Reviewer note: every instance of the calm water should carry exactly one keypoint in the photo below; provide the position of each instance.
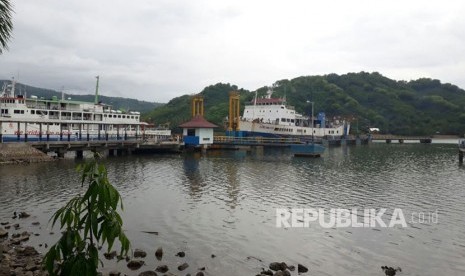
(225, 204)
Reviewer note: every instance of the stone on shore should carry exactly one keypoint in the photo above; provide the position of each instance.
(180, 254)
(138, 253)
(162, 268)
(148, 273)
(110, 256)
(135, 264)
(275, 266)
(3, 233)
(159, 253)
(20, 153)
(183, 266)
(301, 268)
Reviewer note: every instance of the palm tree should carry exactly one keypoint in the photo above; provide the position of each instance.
(6, 25)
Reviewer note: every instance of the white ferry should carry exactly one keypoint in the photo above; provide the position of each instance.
(33, 119)
(272, 117)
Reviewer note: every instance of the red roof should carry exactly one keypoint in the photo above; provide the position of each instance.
(198, 122)
(269, 101)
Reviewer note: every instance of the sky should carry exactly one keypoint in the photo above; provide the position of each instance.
(155, 50)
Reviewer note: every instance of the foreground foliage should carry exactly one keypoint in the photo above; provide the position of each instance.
(87, 222)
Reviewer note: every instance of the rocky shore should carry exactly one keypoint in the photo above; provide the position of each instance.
(15, 258)
(19, 259)
(21, 153)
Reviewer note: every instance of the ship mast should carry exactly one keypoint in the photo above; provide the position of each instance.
(96, 90)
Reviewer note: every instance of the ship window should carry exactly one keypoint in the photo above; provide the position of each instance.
(105, 115)
(119, 116)
(292, 120)
(283, 120)
(33, 112)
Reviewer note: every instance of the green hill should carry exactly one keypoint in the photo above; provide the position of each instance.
(420, 107)
(116, 102)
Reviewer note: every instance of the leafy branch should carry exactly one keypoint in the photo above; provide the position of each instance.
(87, 221)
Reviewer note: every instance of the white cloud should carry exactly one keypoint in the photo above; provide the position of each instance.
(156, 50)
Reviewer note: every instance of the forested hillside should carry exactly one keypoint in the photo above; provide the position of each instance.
(420, 107)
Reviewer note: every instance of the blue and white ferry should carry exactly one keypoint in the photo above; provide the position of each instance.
(33, 118)
(273, 117)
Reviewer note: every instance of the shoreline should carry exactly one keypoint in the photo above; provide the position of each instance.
(20, 259)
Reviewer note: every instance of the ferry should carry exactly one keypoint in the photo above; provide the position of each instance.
(273, 117)
(33, 119)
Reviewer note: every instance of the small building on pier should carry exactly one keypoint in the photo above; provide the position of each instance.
(198, 131)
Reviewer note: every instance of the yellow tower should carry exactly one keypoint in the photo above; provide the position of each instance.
(234, 110)
(197, 105)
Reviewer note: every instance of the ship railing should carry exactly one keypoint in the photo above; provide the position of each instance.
(255, 140)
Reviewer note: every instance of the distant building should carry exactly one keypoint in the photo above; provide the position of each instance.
(197, 132)
(373, 130)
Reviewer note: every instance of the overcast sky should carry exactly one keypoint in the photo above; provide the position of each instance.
(157, 49)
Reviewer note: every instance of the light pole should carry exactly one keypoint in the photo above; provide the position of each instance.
(312, 120)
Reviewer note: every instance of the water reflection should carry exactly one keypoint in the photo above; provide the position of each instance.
(224, 203)
(191, 163)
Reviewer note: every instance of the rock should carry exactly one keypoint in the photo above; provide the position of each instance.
(139, 253)
(213, 256)
(291, 267)
(3, 233)
(200, 274)
(31, 267)
(275, 266)
(135, 264)
(162, 268)
(7, 226)
(148, 273)
(36, 223)
(267, 272)
(30, 251)
(110, 255)
(180, 254)
(202, 268)
(279, 273)
(16, 235)
(15, 241)
(4, 223)
(390, 271)
(159, 253)
(23, 215)
(183, 266)
(24, 236)
(301, 268)
(114, 273)
(16, 226)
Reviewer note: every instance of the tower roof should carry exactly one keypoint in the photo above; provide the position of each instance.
(198, 122)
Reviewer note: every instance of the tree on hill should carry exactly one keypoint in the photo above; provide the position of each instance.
(420, 107)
